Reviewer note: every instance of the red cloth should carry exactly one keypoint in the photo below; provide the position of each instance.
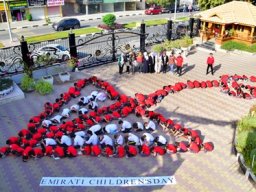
(41, 130)
(190, 84)
(194, 147)
(38, 152)
(108, 118)
(209, 83)
(210, 60)
(16, 148)
(59, 151)
(27, 150)
(116, 115)
(215, 83)
(132, 150)
(49, 135)
(48, 150)
(23, 132)
(71, 150)
(183, 146)
(13, 140)
(253, 79)
(87, 150)
(32, 142)
(120, 151)
(159, 150)
(145, 150)
(37, 136)
(208, 146)
(203, 84)
(197, 84)
(109, 151)
(4, 149)
(172, 148)
(96, 150)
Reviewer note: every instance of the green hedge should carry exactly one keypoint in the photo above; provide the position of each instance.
(247, 123)
(232, 45)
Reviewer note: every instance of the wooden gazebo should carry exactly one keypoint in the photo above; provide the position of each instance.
(235, 20)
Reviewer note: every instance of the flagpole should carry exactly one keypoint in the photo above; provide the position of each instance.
(8, 23)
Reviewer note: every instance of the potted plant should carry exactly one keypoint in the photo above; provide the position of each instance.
(27, 83)
(43, 87)
(64, 76)
(48, 78)
(6, 87)
(72, 63)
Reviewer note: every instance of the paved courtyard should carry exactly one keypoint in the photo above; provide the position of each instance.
(207, 110)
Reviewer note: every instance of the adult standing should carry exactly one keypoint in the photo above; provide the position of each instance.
(131, 60)
(210, 62)
(179, 63)
(164, 61)
(139, 60)
(121, 63)
(145, 63)
(153, 56)
(171, 62)
(159, 63)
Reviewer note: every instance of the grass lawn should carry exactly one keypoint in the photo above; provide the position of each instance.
(182, 18)
(232, 45)
(148, 23)
(61, 34)
(1, 45)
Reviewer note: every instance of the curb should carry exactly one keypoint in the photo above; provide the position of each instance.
(89, 19)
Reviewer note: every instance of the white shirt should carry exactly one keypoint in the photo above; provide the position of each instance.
(120, 140)
(94, 104)
(149, 138)
(85, 100)
(46, 123)
(162, 139)
(151, 125)
(101, 96)
(93, 140)
(65, 112)
(80, 133)
(95, 128)
(50, 141)
(78, 140)
(94, 94)
(126, 125)
(140, 126)
(66, 140)
(111, 128)
(83, 110)
(74, 107)
(107, 140)
(134, 138)
(57, 118)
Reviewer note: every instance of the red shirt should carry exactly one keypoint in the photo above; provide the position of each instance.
(203, 84)
(145, 150)
(179, 61)
(17, 148)
(120, 151)
(194, 147)
(41, 130)
(183, 146)
(208, 146)
(132, 150)
(108, 118)
(210, 60)
(72, 151)
(48, 150)
(87, 150)
(38, 152)
(59, 151)
(27, 151)
(116, 115)
(37, 136)
(108, 151)
(23, 132)
(159, 150)
(172, 148)
(96, 150)
(32, 142)
(4, 149)
(13, 140)
(49, 135)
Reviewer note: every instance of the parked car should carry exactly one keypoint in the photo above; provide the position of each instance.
(66, 24)
(195, 8)
(55, 51)
(153, 10)
(165, 10)
(182, 8)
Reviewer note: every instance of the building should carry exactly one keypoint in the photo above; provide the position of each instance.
(235, 20)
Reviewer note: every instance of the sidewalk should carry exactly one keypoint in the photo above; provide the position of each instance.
(98, 16)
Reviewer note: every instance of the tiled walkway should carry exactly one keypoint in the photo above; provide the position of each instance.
(207, 110)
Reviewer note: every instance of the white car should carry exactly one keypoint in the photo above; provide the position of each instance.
(55, 51)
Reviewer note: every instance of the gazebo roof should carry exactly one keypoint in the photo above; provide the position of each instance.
(240, 12)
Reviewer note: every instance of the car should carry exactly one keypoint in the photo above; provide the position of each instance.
(54, 51)
(153, 10)
(182, 8)
(195, 8)
(165, 10)
(66, 24)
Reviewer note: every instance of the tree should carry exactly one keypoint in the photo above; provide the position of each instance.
(109, 19)
(208, 4)
(162, 3)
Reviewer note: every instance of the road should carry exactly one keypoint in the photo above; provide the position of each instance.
(48, 29)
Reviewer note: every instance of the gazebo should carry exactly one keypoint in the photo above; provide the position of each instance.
(235, 20)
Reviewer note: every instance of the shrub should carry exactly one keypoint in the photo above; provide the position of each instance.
(158, 48)
(29, 16)
(115, 26)
(48, 20)
(232, 45)
(27, 83)
(43, 87)
(247, 123)
(246, 142)
(109, 19)
(5, 84)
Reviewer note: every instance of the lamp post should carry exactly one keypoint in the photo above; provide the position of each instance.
(7, 18)
(175, 10)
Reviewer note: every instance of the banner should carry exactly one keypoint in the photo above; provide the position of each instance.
(55, 2)
(107, 181)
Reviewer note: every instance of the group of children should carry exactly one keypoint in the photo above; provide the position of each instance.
(57, 136)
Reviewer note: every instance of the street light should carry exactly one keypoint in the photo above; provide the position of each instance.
(175, 10)
(9, 28)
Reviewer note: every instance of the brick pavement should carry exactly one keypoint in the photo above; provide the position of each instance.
(207, 110)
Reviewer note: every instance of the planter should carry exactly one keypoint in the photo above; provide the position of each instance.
(65, 76)
(6, 91)
(48, 78)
